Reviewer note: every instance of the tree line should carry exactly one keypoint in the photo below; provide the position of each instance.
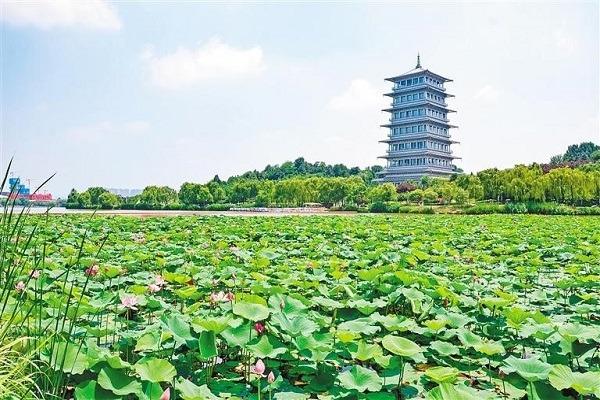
(298, 183)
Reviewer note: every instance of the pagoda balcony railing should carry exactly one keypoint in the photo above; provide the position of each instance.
(418, 86)
(422, 152)
(415, 135)
(416, 168)
(412, 119)
(417, 103)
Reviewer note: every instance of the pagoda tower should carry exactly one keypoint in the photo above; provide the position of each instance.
(419, 130)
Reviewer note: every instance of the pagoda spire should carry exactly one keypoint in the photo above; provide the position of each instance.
(418, 61)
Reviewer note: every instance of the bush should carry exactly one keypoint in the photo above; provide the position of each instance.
(384, 207)
(485, 208)
(515, 208)
(219, 207)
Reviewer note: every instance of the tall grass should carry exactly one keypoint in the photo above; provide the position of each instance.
(36, 347)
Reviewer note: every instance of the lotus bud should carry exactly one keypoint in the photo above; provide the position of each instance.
(166, 395)
(259, 367)
(259, 328)
(271, 377)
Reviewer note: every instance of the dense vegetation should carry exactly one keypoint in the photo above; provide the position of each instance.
(354, 307)
(571, 179)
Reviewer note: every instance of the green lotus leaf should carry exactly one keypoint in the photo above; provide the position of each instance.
(91, 390)
(267, 347)
(118, 382)
(363, 351)
(574, 331)
(207, 345)
(178, 327)
(295, 325)
(444, 348)
(447, 391)
(515, 316)
(148, 341)
(251, 311)
(401, 346)
(561, 377)
(530, 369)
(291, 304)
(238, 335)
(360, 379)
(215, 324)
(69, 357)
(490, 348)
(442, 374)
(327, 302)
(155, 370)
(189, 391)
(150, 391)
(468, 338)
(436, 324)
(494, 303)
(362, 325)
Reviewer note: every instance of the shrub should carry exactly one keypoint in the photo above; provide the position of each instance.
(219, 207)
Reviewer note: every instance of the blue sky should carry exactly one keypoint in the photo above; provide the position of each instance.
(125, 95)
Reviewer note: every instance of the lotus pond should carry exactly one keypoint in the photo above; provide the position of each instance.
(328, 307)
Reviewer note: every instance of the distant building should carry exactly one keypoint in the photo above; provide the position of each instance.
(419, 130)
(125, 192)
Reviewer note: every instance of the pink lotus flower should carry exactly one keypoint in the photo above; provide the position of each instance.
(166, 395)
(152, 288)
(234, 249)
(34, 274)
(259, 328)
(221, 296)
(129, 302)
(259, 367)
(271, 377)
(282, 304)
(309, 265)
(92, 271)
(215, 282)
(20, 286)
(159, 280)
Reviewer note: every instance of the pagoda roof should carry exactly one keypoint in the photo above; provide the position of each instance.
(417, 70)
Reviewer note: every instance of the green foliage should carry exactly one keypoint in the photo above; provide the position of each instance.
(361, 306)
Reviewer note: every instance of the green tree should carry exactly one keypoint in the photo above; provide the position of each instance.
(108, 201)
(582, 151)
(158, 195)
(72, 197)
(84, 200)
(385, 192)
(95, 193)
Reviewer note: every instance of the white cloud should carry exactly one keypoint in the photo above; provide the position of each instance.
(488, 94)
(213, 60)
(360, 95)
(105, 130)
(91, 14)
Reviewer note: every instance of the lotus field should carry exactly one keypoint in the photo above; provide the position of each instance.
(295, 307)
